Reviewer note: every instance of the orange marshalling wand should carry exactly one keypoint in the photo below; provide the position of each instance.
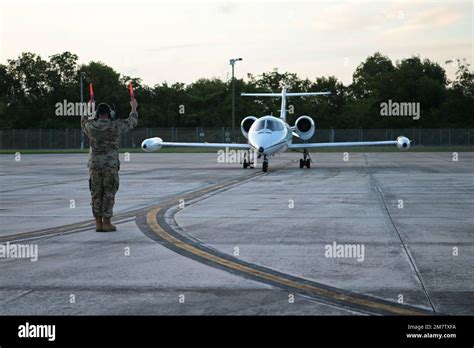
(132, 95)
(91, 91)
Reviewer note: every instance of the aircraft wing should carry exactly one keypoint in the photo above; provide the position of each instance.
(402, 143)
(153, 144)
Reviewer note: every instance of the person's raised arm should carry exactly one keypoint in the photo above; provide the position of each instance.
(134, 105)
(84, 122)
(132, 120)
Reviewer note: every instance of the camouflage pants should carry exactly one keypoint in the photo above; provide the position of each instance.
(103, 184)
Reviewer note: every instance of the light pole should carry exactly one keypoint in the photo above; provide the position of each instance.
(232, 63)
(83, 74)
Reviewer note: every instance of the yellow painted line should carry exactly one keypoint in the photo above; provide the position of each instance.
(90, 223)
(329, 294)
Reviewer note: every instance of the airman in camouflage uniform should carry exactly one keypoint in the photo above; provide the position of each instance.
(104, 135)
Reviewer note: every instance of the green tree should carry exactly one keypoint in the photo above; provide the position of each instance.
(31, 86)
(371, 76)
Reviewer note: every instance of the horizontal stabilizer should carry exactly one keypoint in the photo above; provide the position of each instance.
(306, 94)
(283, 95)
(276, 95)
(279, 95)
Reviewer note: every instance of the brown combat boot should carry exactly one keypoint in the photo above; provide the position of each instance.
(107, 226)
(98, 223)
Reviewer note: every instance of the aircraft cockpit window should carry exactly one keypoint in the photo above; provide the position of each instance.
(271, 125)
(274, 126)
(259, 125)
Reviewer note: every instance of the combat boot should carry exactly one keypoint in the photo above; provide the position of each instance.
(107, 226)
(98, 223)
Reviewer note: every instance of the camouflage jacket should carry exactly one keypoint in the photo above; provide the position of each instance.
(104, 138)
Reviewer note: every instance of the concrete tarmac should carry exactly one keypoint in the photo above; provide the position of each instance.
(409, 216)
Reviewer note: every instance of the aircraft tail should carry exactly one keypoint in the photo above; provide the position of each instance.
(283, 95)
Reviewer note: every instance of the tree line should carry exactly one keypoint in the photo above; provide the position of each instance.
(30, 87)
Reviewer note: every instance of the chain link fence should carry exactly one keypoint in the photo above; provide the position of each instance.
(56, 139)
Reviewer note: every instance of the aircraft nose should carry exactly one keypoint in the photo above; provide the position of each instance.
(262, 142)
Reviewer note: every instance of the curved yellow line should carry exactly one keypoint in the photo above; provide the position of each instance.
(158, 230)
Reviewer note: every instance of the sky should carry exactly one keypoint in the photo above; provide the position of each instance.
(182, 41)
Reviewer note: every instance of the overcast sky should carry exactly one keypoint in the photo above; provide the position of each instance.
(182, 41)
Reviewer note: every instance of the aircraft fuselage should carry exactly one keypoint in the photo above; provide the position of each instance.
(269, 135)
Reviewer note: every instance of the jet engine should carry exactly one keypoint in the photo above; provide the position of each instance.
(304, 127)
(246, 124)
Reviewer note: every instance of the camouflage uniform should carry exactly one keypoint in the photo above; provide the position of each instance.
(104, 163)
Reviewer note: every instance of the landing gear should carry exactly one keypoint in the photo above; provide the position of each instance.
(248, 162)
(265, 163)
(306, 160)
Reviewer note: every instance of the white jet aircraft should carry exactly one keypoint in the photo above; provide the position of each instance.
(269, 135)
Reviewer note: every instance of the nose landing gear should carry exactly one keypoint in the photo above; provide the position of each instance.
(265, 163)
(248, 161)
